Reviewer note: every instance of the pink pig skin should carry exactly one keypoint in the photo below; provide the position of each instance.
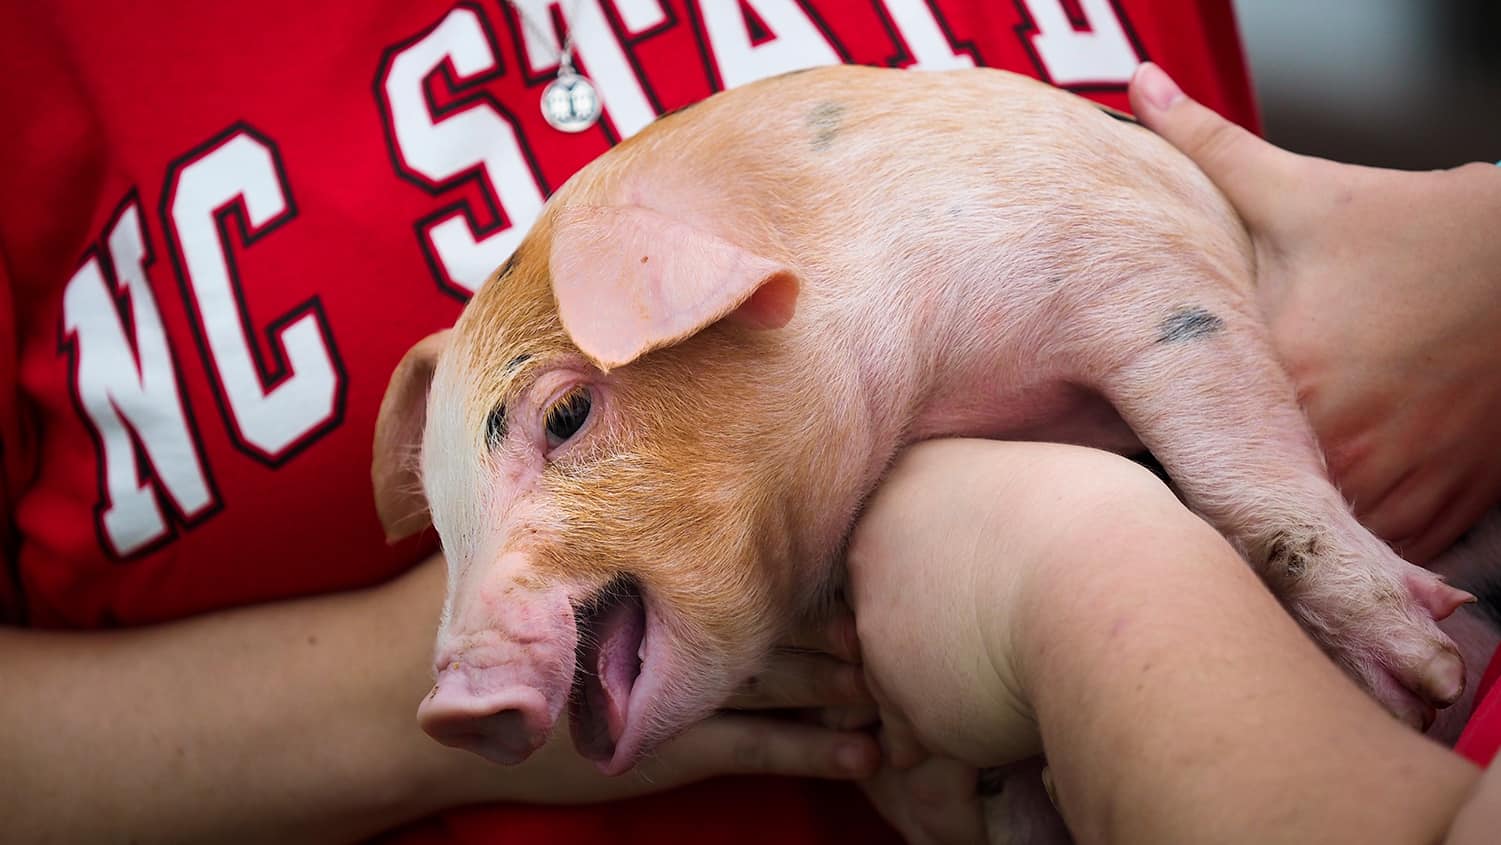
(763, 298)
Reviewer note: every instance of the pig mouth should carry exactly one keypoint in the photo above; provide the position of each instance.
(608, 659)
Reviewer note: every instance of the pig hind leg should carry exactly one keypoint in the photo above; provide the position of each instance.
(1203, 391)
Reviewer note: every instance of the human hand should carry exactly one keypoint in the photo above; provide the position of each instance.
(1382, 289)
(935, 802)
(817, 672)
(928, 799)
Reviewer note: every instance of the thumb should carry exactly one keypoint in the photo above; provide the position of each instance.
(1253, 174)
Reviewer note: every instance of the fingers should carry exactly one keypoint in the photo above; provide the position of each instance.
(1049, 787)
(899, 743)
(1462, 513)
(730, 744)
(945, 803)
(817, 668)
(801, 681)
(935, 803)
(849, 718)
(832, 633)
(1429, 508)
(1256, 176)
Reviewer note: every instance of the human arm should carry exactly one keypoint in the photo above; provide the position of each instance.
(1382, 289)
(294, 722)
(1067, 601)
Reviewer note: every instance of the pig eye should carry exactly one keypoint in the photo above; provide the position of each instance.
(567, 416)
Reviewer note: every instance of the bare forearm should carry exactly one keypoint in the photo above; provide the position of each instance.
(1159, 664)
(278, 723)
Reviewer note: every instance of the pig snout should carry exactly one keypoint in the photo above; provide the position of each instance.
(511, 658)
(504, 672)
(504, 724)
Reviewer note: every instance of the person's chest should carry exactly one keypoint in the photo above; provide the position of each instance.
(223, 224)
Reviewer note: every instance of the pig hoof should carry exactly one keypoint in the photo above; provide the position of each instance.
(1434, 670)
(1436, 596)
(1414, 672)
(1443, 678)
(1379, 622)
(1403, 705)
(1436, 681)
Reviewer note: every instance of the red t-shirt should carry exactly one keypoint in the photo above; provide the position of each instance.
(222, 224)
(1481, 738)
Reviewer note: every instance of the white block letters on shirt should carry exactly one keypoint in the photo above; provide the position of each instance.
(129, 392)
(797, 42)
(272, 408)
(443, 151)
(925, 39)
(1101, 55)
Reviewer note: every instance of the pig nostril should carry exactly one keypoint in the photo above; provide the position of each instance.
(501, 737)
(504, 727)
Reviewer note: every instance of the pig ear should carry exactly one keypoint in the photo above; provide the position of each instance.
(629, 280)
(398, 437)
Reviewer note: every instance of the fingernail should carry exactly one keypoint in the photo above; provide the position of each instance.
(851, 757)
(1159, 88)
(1047, 784)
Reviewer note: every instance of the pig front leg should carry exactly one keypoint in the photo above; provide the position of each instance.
(1203, 391)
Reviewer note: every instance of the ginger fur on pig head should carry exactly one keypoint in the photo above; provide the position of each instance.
(702, 474)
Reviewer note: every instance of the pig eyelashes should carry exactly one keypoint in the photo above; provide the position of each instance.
(495, 426)
(567, 415)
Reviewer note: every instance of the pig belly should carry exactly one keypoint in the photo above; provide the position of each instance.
(1057, 412)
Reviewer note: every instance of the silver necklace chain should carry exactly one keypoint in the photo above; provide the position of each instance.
(570, 102)
(565, 53)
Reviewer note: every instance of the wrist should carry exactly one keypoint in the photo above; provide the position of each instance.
(423, 776)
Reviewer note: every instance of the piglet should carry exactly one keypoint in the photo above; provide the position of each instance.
(645, 441)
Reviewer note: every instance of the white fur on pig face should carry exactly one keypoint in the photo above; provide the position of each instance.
(472, 488)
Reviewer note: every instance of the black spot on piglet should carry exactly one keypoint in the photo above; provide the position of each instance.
(1289, 556)
(1187, 323)
(825, 122)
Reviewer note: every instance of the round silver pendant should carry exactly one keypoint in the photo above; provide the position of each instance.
(570, 103)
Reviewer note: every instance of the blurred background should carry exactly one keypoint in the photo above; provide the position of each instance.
(1414, 84)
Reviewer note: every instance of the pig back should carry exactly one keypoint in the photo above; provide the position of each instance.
(918, 190)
